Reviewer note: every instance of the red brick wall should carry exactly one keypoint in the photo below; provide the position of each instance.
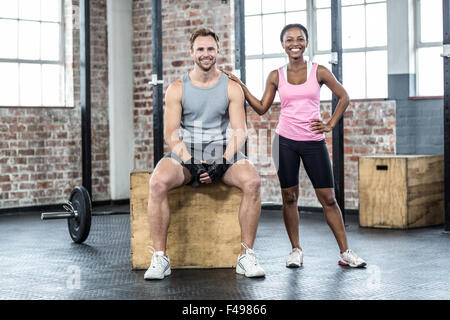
(40, 148)
(99, 105)
(142, 59)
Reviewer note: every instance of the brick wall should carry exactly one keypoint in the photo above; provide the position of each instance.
(420, 129)
(99, 105)
(40, 148)
(142, 59)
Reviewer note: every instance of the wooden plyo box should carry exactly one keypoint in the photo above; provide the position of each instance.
(204, 229)
(401, 191)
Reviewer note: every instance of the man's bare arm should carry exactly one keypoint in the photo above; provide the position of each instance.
(172, 121)
(237, 120)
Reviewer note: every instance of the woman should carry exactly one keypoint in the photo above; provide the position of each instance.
(300, 136)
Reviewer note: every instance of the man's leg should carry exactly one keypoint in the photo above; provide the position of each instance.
(167, 175)
(244, 176)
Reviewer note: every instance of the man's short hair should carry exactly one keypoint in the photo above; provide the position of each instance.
(203, 32)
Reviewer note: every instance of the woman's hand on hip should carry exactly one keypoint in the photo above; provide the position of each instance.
(318, 126)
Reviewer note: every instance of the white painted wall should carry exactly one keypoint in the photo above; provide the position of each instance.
(120, 92)
(400, 28)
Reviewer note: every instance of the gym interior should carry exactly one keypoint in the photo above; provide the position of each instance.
(82, 87)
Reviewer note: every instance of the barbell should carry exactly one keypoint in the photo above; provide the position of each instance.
(78, 212)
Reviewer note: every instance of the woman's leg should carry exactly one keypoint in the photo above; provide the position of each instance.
(334, 219)
(290, 214)
(287, 163)
(316, 161)
(333, 216)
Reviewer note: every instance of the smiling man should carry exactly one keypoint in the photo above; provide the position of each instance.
(199, 108)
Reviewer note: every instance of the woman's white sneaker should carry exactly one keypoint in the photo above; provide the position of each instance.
(159, 267)
(248, 265)
(295, 259)
(351, 259)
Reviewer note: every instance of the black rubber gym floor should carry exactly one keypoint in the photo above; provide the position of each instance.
(38, 260)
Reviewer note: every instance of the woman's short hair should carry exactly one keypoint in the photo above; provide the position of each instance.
(293, 25)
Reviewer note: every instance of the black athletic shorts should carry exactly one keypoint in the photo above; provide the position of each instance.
(206, 152)
(287, 153)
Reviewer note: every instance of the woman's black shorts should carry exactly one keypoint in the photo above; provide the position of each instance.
(287, 153)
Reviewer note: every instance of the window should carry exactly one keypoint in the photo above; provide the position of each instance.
(364, 41)
(429, 64)
(32, 53)
(264, 20)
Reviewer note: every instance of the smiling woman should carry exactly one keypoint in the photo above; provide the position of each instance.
(300, 137)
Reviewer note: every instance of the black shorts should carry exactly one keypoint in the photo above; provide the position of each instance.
(287, 153)
(206, 152)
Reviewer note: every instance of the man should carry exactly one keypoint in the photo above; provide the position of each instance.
(198, 110)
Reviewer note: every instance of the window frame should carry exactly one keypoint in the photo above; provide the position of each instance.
(418, 44)
(311, 12)
(275, 55)
(61, 60)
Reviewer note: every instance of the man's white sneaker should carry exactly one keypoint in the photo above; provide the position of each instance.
(295, 258)
(248, 265)
(351, 259)
(159, 267)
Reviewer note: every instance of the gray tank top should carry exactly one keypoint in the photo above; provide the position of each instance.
(204, 118)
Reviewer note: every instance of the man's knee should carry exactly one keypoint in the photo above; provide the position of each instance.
(252, 185)
(158, 187)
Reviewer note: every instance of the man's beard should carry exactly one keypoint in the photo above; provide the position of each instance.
(197, 62)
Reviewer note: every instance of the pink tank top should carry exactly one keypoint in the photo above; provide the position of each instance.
(300, 104)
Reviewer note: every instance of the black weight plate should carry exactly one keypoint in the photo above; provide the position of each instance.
(80, 226)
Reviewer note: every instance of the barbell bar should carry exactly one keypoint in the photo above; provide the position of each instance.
(78, 212)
